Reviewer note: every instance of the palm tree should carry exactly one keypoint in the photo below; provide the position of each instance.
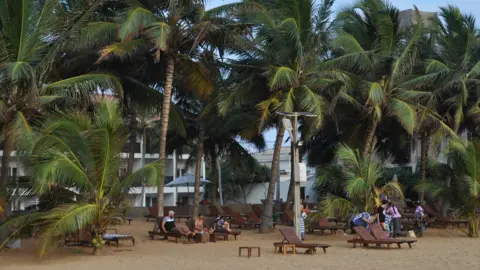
(452, 72)
(363, 186)
(376, 54)
(465, 159)
(75, 151)
(280, 72)
(177, 30)
(33, 35)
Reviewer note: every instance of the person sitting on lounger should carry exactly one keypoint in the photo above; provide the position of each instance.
(221, 225)
(199, 225)
(168, 225)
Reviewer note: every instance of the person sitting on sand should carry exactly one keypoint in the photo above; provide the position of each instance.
(362, 220)
(221, 225)
(168, 225)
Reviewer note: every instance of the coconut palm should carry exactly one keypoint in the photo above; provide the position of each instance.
(175, 30)
(465, 159)
(450, 79)
(75, 151)
(280, 73)
(377, 54)
(363, 187)
(32, 36)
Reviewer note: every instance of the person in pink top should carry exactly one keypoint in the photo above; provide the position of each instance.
(392, 210)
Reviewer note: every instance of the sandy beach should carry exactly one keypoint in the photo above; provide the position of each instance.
(439, 249)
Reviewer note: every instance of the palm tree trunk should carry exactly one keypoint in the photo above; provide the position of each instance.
(132, 141)
(7, 150)
(213, 176)
(291, 186)
(167, 96)
(198, 164)
(369, 140)
(424, 146)
(267, 216)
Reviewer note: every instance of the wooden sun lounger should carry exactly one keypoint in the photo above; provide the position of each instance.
(365, 238)
(256, 220)
(240, 221)
(289, 237)
(115, 237)
(288, 217)
(442, 220)
(160, 232)
(377, 232)
(323, 225)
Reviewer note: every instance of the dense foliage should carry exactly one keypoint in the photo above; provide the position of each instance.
(208, 82)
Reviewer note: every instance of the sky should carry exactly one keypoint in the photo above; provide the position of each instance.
(466, 6)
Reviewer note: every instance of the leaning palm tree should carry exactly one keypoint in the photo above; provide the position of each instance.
(33, 34)
(362, 184)
(465, 159)
(377, 54)
(81, 153)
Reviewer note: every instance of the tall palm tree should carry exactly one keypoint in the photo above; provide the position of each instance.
(450, 79)
(33, 36)
(176, 30)
(372, 48)
(280, 73)
(76, 151)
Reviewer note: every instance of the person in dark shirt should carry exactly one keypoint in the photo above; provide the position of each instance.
(168, 225)
(381, 213)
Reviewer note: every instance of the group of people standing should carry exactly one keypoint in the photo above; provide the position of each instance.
(387, 215)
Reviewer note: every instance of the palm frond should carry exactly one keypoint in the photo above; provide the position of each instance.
(64, 220)
(333, 205)
(135, 19)
(83, 85)
(148, 175)
(282, 77)
(404, 113)
(348, 155)
(121, 50)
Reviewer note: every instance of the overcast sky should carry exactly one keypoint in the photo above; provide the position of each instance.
(466, 6)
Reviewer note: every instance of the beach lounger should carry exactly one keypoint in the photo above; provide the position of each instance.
(240, 221)
(116, 237)
(288, 217)
(365, 238)
(152, 213)
(256, 220)
(158, 231)
(227, 210)
(323, 225)
(289, 237)
(443, 221)
(378, 232)
(257, 210)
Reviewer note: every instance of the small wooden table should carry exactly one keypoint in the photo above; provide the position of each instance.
(249, 250)
(129, 219)
(281, 247)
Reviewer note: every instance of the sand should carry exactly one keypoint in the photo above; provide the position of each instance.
(439, 249)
